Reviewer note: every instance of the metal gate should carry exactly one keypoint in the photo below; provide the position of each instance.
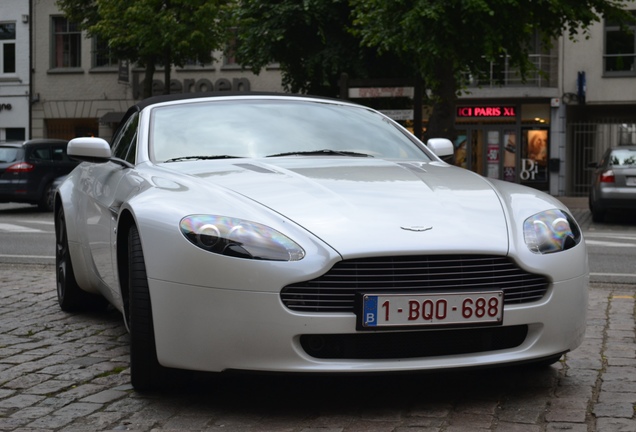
(586, 143)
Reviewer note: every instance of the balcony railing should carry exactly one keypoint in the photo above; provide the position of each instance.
(501, 74)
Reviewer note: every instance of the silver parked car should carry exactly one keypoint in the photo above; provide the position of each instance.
(296, 234)
(614, 182)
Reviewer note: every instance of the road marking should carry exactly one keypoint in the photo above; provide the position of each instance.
(608, 243)
(18, 228)
(27, 256)
(628, 275)
(622, 236)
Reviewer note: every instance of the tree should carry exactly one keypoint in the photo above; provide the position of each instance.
(155, 32)
(437, 42)
(449, 40)
(311, 41)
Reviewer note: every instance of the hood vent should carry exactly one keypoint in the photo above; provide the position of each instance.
(416, 168)
(255, 168)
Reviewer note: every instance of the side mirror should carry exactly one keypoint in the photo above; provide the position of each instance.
(89, 149)
(443, 148)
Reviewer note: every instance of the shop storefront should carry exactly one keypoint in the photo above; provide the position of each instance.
(509, 142)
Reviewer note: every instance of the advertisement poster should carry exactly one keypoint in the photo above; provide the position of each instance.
(534, 163)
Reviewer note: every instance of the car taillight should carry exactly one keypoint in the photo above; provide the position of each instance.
(607, 177)
(20, 167)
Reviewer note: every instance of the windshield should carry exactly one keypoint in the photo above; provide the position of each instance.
(9, 154)
(275, 128)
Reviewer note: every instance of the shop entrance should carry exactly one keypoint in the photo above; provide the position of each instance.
(494, 152)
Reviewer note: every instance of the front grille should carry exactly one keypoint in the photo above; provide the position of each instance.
(418, 344)
(336, 290)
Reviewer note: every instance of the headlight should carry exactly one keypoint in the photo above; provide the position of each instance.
(239, 238)
(551, 231)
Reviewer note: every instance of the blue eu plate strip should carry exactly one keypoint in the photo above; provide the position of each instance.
(370, 311)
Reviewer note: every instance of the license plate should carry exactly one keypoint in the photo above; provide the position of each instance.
(399, 310)
(631, 181)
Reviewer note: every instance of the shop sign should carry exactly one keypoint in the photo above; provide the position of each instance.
(5, 107)
(380, 92)
(486, 111)
(190, 85)
(398, 114)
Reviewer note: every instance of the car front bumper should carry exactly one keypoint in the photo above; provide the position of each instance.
(210, 329)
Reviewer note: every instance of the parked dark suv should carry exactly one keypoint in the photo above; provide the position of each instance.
(28, 170)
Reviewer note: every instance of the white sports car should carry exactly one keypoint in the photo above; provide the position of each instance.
(297, 234)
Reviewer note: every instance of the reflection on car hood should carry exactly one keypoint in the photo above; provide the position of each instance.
(360, 205)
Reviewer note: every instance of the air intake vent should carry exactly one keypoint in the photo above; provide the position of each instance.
(335, 291)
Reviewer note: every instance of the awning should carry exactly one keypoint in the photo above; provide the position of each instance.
(111, 117)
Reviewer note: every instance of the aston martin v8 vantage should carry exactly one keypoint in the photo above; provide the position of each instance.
(286, 233)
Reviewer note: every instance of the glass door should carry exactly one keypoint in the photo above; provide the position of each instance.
(510, 156)
(493, 154)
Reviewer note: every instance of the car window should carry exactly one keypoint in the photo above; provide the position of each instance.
(125, 142)
(41, 154)
(59, 154)
(265, 128)
(9, 154)
(623, 157)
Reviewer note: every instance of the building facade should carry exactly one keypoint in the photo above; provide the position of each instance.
(78, 90)
(15, 79)
(542, 131)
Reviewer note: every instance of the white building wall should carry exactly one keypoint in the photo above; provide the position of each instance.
(586, 55)
(14, 87)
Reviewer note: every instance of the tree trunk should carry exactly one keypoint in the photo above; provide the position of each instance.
(441, 123)
(148, 77)
(167, 69)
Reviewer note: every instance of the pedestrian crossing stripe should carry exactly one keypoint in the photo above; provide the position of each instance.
(18, 228)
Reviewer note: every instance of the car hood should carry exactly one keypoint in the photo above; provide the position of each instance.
(361, 205)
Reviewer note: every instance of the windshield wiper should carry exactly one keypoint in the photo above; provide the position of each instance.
(183, 158)
(324, 152)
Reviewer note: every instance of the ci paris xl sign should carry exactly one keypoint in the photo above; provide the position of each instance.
(486, 111)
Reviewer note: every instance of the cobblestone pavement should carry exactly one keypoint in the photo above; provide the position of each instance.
(65, 372)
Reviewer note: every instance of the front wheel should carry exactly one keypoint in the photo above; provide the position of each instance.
(145, 371)
(598, 215)
(70, 296)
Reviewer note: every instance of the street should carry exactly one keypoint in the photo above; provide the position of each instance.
(69, 372)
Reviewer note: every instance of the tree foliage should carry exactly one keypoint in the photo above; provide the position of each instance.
(311, 41)
(440, 41)
(155, 32)
(449, 40)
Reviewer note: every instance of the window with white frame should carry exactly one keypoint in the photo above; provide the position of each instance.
(620, 48)
(7, 48)
(67, 44)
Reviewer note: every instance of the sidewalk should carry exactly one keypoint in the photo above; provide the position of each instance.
(579, 208)
(575, 203)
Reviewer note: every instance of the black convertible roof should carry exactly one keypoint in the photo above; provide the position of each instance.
(185, 96)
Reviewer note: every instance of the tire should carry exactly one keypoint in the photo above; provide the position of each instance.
(145, 371)
(47, 199)
(597, 215)
(70, 296)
